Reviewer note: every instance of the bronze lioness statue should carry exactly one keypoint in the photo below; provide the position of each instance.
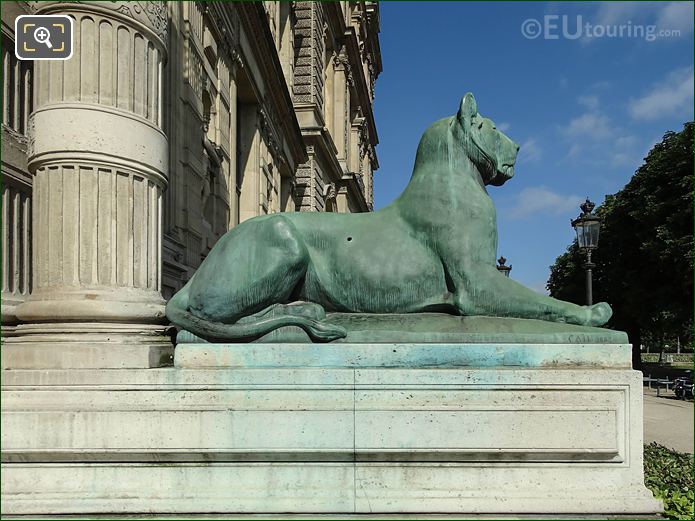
(433, 249)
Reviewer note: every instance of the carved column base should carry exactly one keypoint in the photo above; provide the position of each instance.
(85, 304)
(8, 314)
(76, 345)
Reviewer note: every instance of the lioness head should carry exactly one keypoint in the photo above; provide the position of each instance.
(493, 153)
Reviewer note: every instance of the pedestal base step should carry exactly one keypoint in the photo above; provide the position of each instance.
(318, 488)
(318, 440)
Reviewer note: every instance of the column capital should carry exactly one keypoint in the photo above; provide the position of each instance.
(148, 14)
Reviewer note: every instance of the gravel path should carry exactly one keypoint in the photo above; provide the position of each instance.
(668, 421)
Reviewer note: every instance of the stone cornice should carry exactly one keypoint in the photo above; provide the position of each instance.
(254, 22)
(374, 50)
(224, 23)
(365, 101)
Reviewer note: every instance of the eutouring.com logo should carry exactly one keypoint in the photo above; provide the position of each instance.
(556, 27)
(43, 37)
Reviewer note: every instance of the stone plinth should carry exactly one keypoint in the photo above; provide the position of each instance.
(402, 355)
(443, 328)
(559, 433)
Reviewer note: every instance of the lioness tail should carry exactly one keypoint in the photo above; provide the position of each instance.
(177, 312)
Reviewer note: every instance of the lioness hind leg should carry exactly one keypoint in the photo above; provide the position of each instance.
(249, 278)
(254, 266)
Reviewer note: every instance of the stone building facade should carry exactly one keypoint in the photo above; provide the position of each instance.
(171, 123)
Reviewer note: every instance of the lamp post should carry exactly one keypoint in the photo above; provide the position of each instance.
(587, 226)
(502, 267)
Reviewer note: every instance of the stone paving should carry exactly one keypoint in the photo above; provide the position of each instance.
(668, 421)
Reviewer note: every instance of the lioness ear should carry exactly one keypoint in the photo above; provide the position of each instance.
(468, 108)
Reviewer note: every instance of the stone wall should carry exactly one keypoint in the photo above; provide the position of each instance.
(337, 62)
(171, 123)
(235, 127)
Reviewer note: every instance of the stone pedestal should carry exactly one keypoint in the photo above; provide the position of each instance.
(98, 157)
(318, 431)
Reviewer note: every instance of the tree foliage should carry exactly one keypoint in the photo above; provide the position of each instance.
(644, 261)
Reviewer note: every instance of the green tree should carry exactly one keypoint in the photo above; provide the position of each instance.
(644, 261)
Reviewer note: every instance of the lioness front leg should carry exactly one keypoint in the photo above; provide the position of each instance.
(488, 292)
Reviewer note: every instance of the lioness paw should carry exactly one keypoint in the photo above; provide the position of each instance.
(599, 314)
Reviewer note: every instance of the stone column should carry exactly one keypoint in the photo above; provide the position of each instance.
(328, 103)
(99, 160)
(340, 100)
(234, 195)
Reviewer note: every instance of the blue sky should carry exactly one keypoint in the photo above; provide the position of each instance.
(585, 108)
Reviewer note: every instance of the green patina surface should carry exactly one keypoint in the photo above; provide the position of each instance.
(411, 355)
(423, 328)
(431, 250)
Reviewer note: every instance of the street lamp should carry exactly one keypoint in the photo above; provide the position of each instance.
(587, 226)
(502, 267)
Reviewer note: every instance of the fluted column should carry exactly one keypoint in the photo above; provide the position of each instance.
(340, 101)
(99, 160)
(234, 195)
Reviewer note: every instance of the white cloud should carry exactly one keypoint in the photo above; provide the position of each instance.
(589, 101)
(676, 16)
(529, 150)
(622, 12)
(624, 151)
(621, 159)
(504, 126)
(665, 15)
(575, 149)
(612, 14)
(671, 97)
(593, 138)
(601, 85)
(590, 125)
(541, 200)
(625, 142)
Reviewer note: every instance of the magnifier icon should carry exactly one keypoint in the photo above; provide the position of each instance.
(42, 35)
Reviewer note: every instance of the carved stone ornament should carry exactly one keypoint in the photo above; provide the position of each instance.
(350, 77)
(340, 58)
(330, 191)
(151, 14)
(229, 45)
(265, 125)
